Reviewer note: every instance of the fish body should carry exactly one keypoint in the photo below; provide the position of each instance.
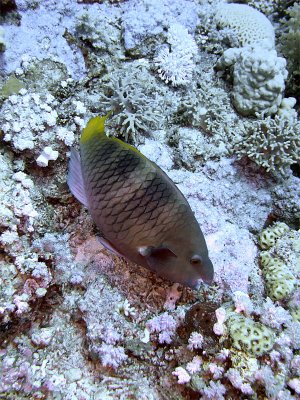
(140, 212)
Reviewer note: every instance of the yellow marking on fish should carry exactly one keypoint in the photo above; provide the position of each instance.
(94, 127)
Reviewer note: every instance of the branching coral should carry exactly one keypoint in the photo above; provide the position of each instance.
(272, 143)
(129, 95)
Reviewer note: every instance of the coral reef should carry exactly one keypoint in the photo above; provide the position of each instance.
(133, 111)
(77, 322)
(142, 20)
(2, 39)
(250, 336)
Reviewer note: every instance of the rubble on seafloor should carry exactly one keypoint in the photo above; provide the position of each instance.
(77, 322)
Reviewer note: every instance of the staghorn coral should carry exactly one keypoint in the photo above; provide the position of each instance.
(273, 143)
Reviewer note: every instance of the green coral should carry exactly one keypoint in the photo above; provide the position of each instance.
(250, 336)
(273, 143)
(269, 235)
(12, 86)
(280, 282)
(278, 269)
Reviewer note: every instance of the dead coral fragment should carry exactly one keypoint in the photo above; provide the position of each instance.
(272, 143)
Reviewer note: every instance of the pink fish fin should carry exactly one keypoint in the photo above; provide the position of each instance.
(75, 178)
(109, 246)
(155, 255)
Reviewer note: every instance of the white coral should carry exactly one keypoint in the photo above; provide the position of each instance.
(27, 117)
(175, 62)
(258, 79)
(47, 154)
(182, 375)
(249, 26)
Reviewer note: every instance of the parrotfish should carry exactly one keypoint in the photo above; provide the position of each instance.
(139, 211)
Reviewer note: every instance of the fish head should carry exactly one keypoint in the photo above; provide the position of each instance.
(188, 268)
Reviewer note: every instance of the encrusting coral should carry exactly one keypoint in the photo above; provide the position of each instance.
(258, 79)
(280, 260)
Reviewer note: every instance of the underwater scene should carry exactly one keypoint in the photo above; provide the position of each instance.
(149, 199)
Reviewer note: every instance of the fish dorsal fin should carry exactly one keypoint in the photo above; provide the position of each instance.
(75, 178)
(95, 126)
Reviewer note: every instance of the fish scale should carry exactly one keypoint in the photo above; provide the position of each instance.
(132, 174)
(139, 211)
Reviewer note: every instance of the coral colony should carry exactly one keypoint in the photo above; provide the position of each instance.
(209, 91)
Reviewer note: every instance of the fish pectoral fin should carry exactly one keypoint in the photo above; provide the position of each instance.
(109, 246)
(75, 178)
(156, 254)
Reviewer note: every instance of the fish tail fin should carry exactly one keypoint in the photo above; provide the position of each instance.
(95, 126)
(75, 178)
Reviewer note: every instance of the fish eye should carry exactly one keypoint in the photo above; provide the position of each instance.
(196, 260)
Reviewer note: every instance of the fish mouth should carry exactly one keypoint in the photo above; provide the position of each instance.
(196, 285)
(208, 280)
(207, 274)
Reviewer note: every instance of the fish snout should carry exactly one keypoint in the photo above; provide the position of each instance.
(207, 272)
